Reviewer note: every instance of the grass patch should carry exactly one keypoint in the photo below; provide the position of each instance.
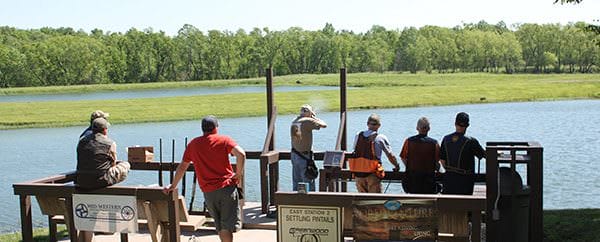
(379, 90)
(572, 225)
(39, 235)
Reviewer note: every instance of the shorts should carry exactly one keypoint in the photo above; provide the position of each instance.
(117, 173)
(223, 206)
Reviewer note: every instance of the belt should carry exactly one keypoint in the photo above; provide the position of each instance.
(458, 170)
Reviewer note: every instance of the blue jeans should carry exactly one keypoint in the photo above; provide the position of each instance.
(298, 169)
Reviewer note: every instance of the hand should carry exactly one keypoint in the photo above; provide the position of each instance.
(168, 189)
(238, 177)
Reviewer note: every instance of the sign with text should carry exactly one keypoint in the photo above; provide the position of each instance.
(309, 224)
(395, 220)
(105, 213)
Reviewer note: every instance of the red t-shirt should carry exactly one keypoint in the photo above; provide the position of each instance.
(210, 156)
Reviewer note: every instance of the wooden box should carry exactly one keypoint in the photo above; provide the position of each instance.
(140, 154)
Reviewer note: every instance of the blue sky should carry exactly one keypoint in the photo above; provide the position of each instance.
(359, 16)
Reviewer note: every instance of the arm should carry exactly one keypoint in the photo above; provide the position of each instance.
(393, 160)
(113, 152)
(320, 122)
(240, 159)
(387, 149)
(478, 150)
(442, 154)
(181, 168)
(404, 153)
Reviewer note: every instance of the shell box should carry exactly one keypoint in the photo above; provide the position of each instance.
(140, 154)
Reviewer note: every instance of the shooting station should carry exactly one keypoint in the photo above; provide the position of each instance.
(504, 207)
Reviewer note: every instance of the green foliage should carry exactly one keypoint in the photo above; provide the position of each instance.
(63, 56)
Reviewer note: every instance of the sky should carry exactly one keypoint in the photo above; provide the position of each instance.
(358, 16)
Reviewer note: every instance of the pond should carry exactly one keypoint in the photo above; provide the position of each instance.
(155, 93)
(568, 131)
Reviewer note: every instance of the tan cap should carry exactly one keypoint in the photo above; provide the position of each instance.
(306, 109)
(98, 114)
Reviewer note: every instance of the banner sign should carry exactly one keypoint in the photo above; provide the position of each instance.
(105, 213)
(309, 224)
(395, 220)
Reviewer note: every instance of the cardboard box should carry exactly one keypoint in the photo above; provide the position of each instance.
(140, 154)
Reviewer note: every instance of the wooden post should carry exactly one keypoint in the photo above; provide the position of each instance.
(344, 116)
(264, 184)
(52, 228)
(343, 106)
(68, 208)
(491, 171)
(273, 181)
(26, 224)
(270, 103)
(173, 207)
(535, 180)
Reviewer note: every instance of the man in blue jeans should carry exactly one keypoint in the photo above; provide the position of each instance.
(301, 133)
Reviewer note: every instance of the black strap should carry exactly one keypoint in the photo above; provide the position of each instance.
(310, 161)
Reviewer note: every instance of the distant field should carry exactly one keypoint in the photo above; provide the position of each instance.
(386, 90)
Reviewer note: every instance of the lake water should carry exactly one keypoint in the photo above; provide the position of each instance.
(173, 92)
(569, 131)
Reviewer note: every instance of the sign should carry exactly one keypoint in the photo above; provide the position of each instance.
(309, 224)
(105, 213)
(395, 220)
(333, 158)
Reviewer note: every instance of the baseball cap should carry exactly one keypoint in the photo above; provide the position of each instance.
(99, 114)
(209, 123)
(374, 119)
(462, 119)
(99, 124)
(423, 123)
(306, 109)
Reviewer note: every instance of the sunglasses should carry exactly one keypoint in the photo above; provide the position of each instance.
(373, 124)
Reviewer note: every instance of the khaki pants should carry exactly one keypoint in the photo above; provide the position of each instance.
(117, 173)
(370, 184)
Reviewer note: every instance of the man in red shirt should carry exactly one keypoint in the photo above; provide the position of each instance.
(209, 154)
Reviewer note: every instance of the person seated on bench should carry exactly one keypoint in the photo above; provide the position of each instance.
(96, 159)
(210, 155)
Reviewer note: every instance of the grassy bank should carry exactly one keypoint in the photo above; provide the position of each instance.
(575, 225)
(387, 90)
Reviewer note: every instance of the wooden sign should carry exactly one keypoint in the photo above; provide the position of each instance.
(395, 220)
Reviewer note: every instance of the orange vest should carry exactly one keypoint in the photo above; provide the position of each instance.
(365, 160)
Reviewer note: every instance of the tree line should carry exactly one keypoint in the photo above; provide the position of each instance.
(63, 56)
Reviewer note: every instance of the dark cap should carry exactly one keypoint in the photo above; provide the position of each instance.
(99, 124)
(462, 119)
(374, 119)
(209, 123)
